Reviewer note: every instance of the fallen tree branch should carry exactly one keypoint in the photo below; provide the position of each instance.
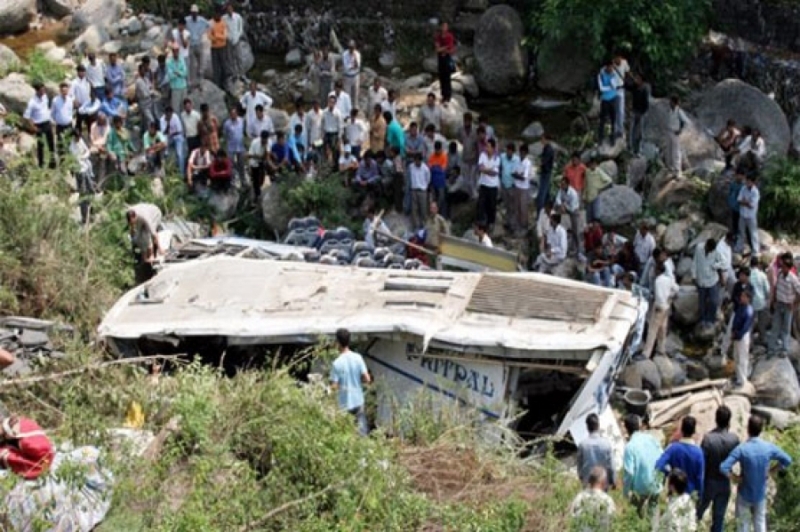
(89, 367)
(291, 504)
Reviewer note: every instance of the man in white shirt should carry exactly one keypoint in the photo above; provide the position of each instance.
(377, 94)
(260, 122)
(643, 245)
(521, 197)
(96, 74)
(179, 36)
(431, 113)
(61, 111)
(191, 125)
(390, 104)
(488, 183)
(331, 128)
(38, 116)
(257, 156)
(483, 236)
(81, 92)
(313, 130)
(568, 202)
(665, 289)
(351, 72)
(555, 247)
(543, 224)
(676, 122)
(298, 118)
(748, 199)
(170, 125)
(355, 132)
(420, 180)
(235, 26)
(198, 27)
(343, 101)
(253, 98)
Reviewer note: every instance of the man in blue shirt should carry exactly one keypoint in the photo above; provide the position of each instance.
(348, 373)
(113, 106)
(607, 83)
(639, 477)
(115, 76)
(595, 451)
(687, 456)
(755, 457)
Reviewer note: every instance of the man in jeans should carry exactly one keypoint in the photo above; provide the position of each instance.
(784, 297)
(348, 373)
(755, 457)
(717, 445)
(748, 215)
(709, 275)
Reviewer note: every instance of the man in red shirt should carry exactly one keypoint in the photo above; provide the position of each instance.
(575, 172)
(445, 48)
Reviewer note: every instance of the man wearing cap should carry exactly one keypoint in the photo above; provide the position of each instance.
(351, 71)
(81, 92)
(235, 24)
(178, 77)
(96, 74)
(197, 26)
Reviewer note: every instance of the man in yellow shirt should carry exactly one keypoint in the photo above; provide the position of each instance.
(218, 35)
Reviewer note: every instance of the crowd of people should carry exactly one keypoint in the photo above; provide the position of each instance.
(697, 472)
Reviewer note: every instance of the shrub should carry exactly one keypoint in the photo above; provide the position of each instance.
(40, 68)
(780, 194)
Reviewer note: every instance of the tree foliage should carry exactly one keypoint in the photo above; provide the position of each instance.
(657, 36)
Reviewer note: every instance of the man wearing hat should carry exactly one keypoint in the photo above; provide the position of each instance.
(197, 26)
(351, 71)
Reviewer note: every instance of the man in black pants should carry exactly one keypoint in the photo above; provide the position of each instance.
(62, 111)
(445, 48)
(39, 119)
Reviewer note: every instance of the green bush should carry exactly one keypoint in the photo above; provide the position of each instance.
(780, 195)
(40, 68)
(326, 198)
(658, 36)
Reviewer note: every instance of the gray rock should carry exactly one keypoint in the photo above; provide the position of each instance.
(552, 71)
(636, 172)
(546, 104)
(97, 12)
(672, 374)
(112, 47)
(684, 268)
(676, 237)
(468, 82)
(213, 96)
(280, 119)
(294, 58)
(452, 118)
(610, 167)
(746, 104)
(776, 383)
(706, 170)
(415, 82)
(8, 58)
(25, 142)
(56, 55)
(273, 209)
(91, 40)
(246, 57)
(32, 338)
(134, 26)
(704, 332)
(387, 59)
(15, 92)
(667, 192)
(695, 370)
(533, 131)
(686, 306)
(155, 33)
(648, 371)
(430, 65)
(711, 230)
(611, 151)
(674, 344)
(501, 60)
(697, 145)
(568, 269)
(778, 418)
(224, 204)
(60, 8)
(15, 15)
(618, 205)
(718, 199)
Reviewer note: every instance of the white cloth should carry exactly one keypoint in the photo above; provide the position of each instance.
(489, 163)
(38, 109)
(191, 121)
(355, 131)
(420, 176)
(486, 241)
(351, 63)
(343, 103)
(258, 150)
(643, 246)
(173, 128)
(183, 51)
(313, 127)
(524, 169)
(390, 107)
(665, 289)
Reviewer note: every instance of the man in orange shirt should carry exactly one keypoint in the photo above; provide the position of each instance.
(218, 35)
(575, 172)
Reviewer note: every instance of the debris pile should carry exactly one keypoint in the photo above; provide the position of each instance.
(28, 339)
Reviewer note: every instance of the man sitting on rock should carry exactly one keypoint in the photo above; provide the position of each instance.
(555, 247)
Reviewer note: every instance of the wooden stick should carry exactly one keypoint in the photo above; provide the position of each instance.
(707, 383)
(101, 365)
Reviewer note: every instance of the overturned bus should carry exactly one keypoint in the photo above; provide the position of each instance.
(500, 343)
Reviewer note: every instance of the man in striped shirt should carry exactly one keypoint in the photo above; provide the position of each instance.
(784, 297)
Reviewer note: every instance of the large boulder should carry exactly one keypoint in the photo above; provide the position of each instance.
(672, 373)
(636, 172)
(452, 118)
(91, 40)
(618, 205)
(711, 230)
(642, 374)
(686, 306)
(747, 105)
(15, 92)
(15, 15)
(502, 61)
(552, 72)
(213, 96)
(60, 8)
(776, 383)
(224, 204)
(273, 209)
(666, 192)
(246, 57)
(676, 237)
(97, 12)
(280, 119)
(696, 143)
(8, 58)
